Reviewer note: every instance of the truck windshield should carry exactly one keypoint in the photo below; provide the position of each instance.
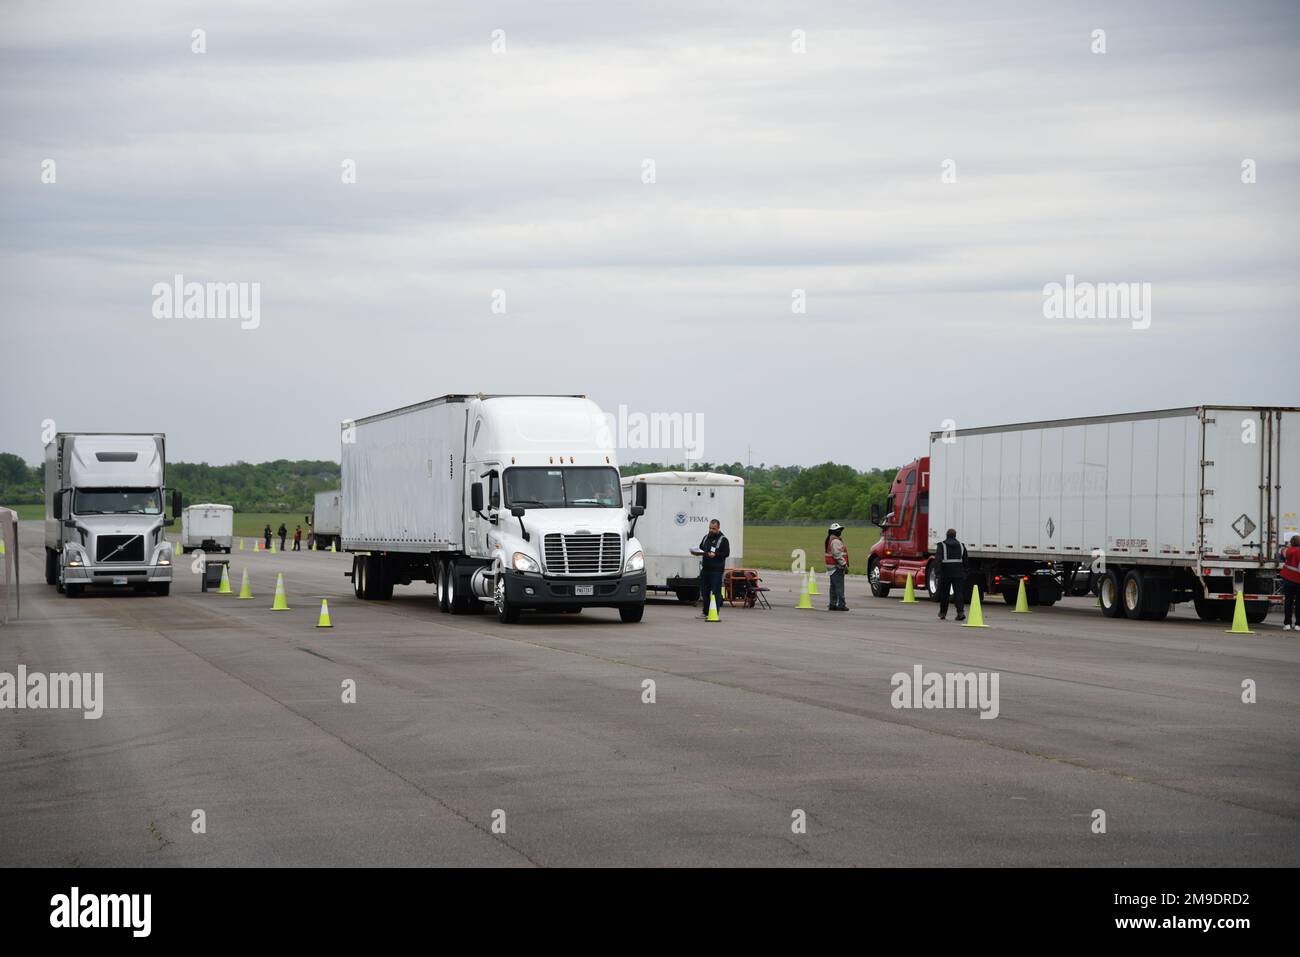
(575, 487)
(118, 501)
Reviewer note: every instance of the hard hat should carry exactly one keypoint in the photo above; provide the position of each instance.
(836, 527)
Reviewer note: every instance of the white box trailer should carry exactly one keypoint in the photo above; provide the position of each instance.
(678, 508)
(1150, 508)
(207, 526)
(504, 502)
(326, 519)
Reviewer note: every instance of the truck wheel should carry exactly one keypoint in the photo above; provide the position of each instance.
(1109, 589)
(631, 614)
(932, 580)
(1209, 609)
(51, 567)
(359, 575)
(162, 588)
(507, 613)
(1256, 611)
(71, 591)
(440, 583)
(878, 588)
(688, 596)
(1134, 596)
(379, 579)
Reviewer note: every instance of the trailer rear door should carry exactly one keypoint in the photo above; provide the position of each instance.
(1285, 480)
(1235, 453)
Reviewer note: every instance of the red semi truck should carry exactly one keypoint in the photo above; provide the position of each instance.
(1145, 510)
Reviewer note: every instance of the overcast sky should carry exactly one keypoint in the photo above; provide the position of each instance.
(522, 170)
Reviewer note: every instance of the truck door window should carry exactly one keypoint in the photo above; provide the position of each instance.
(909, 501)
(494, 490)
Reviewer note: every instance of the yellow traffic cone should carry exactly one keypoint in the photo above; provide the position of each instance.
(241, 544)
(245, 590)
(812, 581)
(1022, 599)
(280, 604)
(178, 546)
(324, 615)
(273, 546)
(1239, 626)
(713, 607)
(332, 548)
(312, 546)
(909, 591)
(225, 582)
(2, 544)
(974, 615)
(803, 596)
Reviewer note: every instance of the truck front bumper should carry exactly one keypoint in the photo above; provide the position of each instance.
(108, 574)
(525, 590)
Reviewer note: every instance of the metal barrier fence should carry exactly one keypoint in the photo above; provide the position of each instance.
(8, 565)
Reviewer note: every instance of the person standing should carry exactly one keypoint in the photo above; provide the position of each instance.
(266, 533)
(837, 565)
(951, 556)
(714, 549)
(297, 539)
(283, 533)
(1291, 585)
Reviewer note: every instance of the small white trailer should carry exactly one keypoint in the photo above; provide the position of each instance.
(326, 519)
(678, 509)
(208, 526)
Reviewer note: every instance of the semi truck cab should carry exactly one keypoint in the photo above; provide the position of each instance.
(904, 531)
(105, 522)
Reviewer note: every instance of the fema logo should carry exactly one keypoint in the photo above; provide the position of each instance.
(681, 518)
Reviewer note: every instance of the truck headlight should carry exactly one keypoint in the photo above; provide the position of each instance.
(525, 563)
(635, 562)
(74, 562)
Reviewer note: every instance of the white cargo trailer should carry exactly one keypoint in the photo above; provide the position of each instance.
(1150, 508)
(326, 519)
(208, 527)
(508, 502)
(678, 508)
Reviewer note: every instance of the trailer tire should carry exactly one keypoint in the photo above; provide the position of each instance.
(932, 580)
(1109, 593)
(631, 614)
(878, 588)
(1134, 596)
(379, 579)
(440, 583)
(357, 574)
(688, 596)
(1209, 609)
(51, 567)
(1256, 612)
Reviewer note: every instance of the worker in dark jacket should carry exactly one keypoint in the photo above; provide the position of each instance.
(714, 549)
(283, 533)
(951, 556)
(266, 533)
(1291, 585)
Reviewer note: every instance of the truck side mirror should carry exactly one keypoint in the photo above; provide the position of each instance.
(636, 511)
(476, 497)
(517, 511)
(638, 496)
(58, 504)
(176, 503)
(875, 515)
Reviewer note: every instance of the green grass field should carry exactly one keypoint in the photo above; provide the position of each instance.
(769, 546)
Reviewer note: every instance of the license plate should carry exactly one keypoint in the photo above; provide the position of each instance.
(119, 579)
(584, 589)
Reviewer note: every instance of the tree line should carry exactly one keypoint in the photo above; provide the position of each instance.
(772, 493)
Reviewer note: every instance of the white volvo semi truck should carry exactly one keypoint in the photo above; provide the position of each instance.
(507, 502)
(104, 521)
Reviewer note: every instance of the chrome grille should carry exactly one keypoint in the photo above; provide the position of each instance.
(583, 554)
(119, 548)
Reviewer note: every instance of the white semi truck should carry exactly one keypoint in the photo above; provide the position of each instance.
(208, 526)
(104, 521)
(326, 519)
(1146, 509)
(508, 502)
(678, 507)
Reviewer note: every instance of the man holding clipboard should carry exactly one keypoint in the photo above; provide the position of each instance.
(713, 551)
